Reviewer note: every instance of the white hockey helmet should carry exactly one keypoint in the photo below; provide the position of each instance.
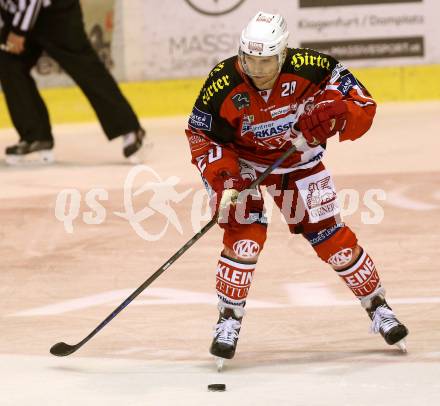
(265, 35)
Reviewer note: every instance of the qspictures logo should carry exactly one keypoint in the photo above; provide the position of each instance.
(151, 205)
(214, 7)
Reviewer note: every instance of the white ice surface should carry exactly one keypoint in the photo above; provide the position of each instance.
(75, 381)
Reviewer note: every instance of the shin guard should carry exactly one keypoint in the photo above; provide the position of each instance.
(233, 280)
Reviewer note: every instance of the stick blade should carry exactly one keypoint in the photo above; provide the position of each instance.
(62, 349)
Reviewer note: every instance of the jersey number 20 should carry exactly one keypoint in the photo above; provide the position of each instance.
(288, 88)
(214, 154)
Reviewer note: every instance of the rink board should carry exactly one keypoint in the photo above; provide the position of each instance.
(175, 97)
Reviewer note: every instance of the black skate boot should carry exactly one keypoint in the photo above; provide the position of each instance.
(226, 333)
(30, 151)
(135, 146)
(385, 322)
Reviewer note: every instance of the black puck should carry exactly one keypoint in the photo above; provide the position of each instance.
(217, 387)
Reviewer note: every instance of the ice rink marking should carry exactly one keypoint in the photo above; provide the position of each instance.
(299, 294)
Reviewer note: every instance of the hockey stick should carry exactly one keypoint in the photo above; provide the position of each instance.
(62, 349)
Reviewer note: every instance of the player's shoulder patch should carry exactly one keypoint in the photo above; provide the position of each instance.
(348, 81)
(345, 80)
(309, 64)
(200, 120)
(222, 79)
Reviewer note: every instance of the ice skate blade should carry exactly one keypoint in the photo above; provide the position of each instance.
(401, 345)
(44, 157)
(219, 362)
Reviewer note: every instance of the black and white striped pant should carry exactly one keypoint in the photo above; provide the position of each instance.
(59, 31)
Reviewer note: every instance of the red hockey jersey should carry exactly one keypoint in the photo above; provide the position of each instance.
(231, 118)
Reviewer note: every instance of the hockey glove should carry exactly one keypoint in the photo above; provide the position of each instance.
(324, 121)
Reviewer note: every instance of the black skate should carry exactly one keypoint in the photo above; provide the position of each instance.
(30, 151)
(384, 321)
(226, 333)
(135, 145)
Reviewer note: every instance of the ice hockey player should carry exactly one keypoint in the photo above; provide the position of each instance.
(251, 109)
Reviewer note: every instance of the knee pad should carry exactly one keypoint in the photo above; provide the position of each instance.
(246, 240)
(334, 245)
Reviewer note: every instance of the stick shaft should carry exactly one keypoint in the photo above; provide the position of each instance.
(178, 254)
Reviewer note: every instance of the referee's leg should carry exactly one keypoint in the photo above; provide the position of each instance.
(66, 41)
(27, 110)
